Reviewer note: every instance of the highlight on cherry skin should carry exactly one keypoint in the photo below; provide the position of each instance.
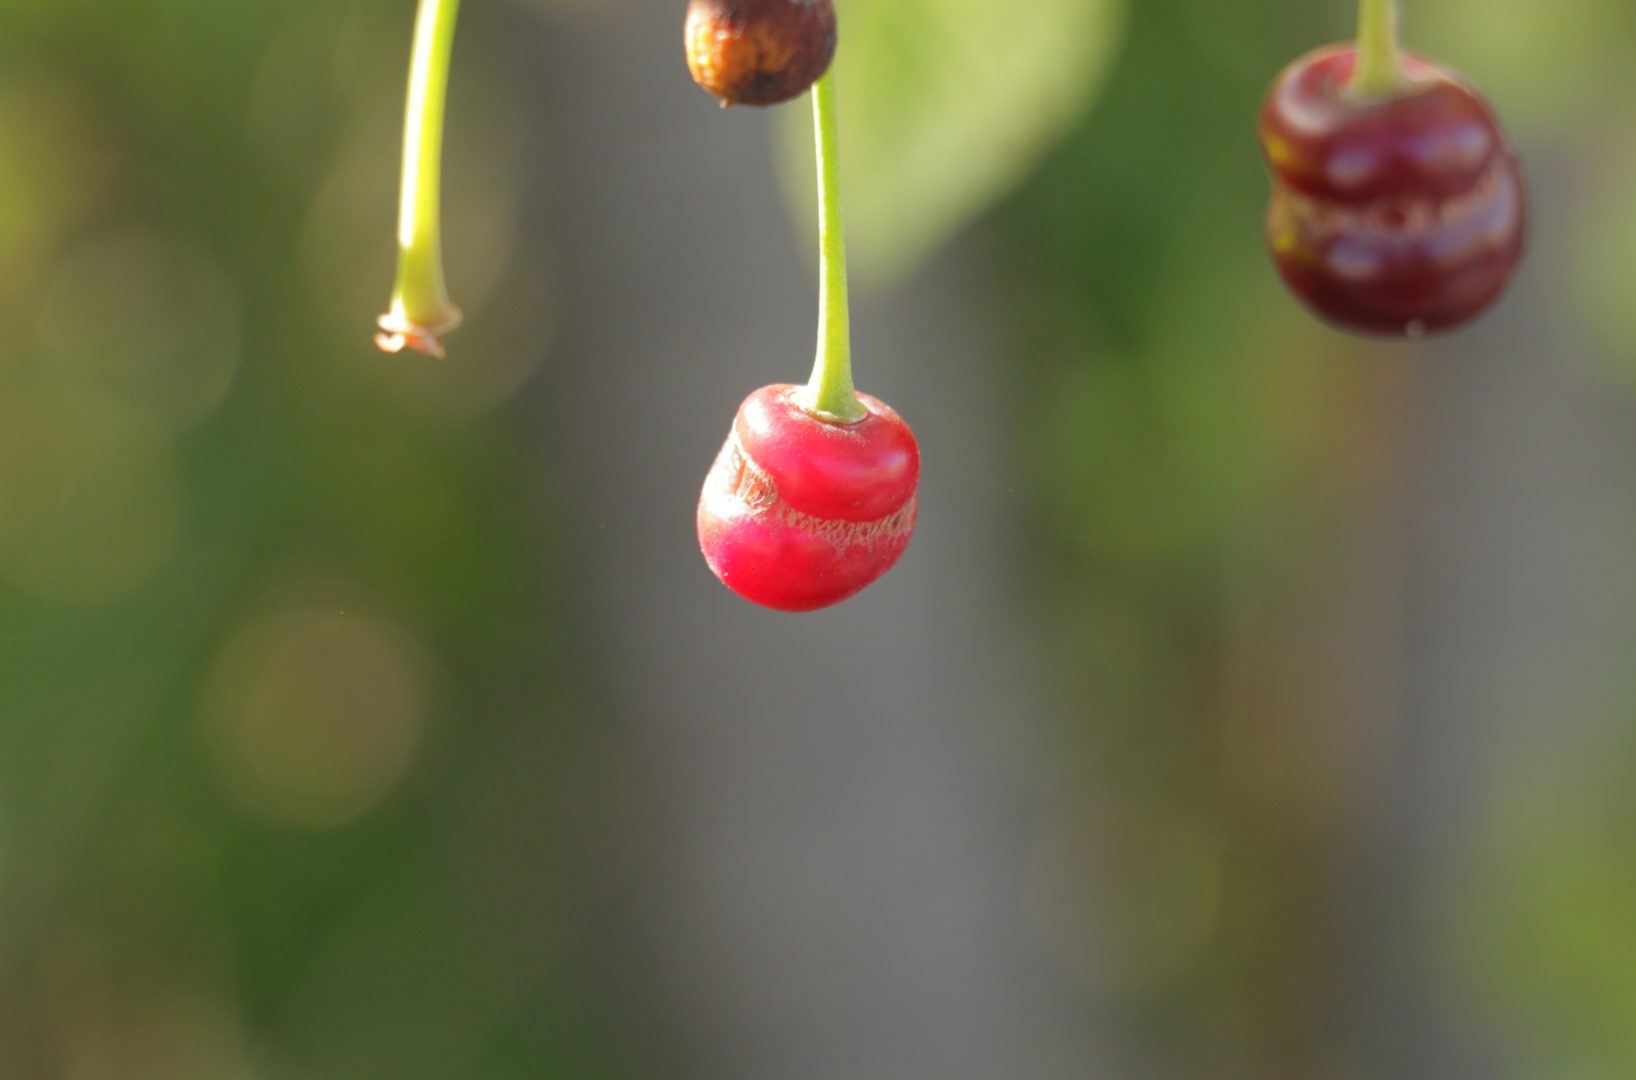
(1392, 214)
(800, 512)
(759, 52)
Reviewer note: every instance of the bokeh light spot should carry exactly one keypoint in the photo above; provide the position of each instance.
(315, 715)
(112, 1013)
(151, 317)
(55, 171)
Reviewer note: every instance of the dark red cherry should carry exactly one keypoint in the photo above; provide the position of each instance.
(1398, 214)
(800, 512)
(759, 52)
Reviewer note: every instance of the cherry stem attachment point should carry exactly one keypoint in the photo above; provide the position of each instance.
(830, 393)
(1379, 70)
(421, 312)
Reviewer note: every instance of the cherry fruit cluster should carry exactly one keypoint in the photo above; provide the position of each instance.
(1398, 209)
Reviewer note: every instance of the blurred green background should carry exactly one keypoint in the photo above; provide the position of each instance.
(1255, 701)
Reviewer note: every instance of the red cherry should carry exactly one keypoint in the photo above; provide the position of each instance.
(759, 52)
(1391, 215)
(800, 512)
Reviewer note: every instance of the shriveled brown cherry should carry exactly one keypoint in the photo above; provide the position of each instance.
(759, 52)
(801, 511)
(1394, 212)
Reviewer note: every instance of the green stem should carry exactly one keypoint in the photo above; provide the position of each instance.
(830, 392)
(421, 311)
(1379, 71)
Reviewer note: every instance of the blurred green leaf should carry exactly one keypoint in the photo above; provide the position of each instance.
(945, 106)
